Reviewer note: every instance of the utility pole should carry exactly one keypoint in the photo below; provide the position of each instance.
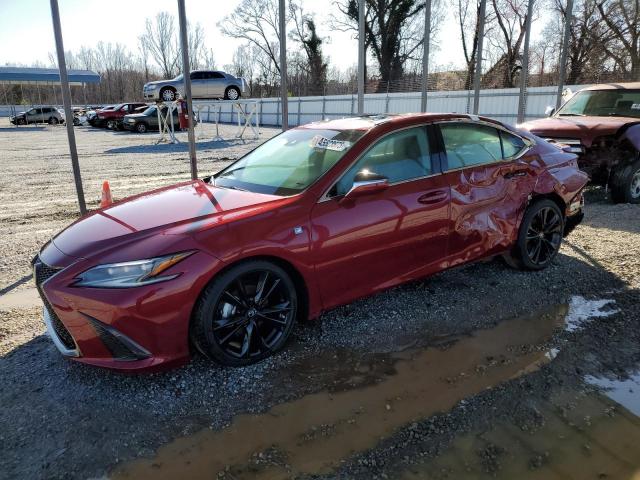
(66, 102)
(568, 16)
(478, 72)
(361, 55)
(186, 73)
(524, 71)
(284, 94)
(425, 55)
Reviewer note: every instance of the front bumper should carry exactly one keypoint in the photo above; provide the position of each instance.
(137, 329)
(151, 94)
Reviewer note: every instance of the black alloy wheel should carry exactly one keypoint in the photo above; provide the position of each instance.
(245, 314)
(141, 127)
(540, 235)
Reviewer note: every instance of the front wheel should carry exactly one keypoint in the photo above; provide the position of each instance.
(539, 237)
(245, 314)
(141, 128)
(168, 94)
(53, 121)
(625, 183)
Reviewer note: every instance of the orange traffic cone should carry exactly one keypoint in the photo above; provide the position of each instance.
(106, 195)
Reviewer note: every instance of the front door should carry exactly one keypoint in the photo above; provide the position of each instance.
(198, 85)
(490, 186)
(368, 243)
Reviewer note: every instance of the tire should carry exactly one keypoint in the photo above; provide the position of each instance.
(21, 121)
(141, 127)
(539, 238)
(111, 125)
(168, 94)
(53, 121)
(232, 93)
(76, 122)
(235, 321)
(625, 183)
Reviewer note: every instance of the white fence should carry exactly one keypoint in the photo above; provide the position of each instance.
(501, 104)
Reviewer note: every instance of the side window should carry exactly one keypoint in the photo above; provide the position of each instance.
(216, 75)
(512, 145)
(197, 75)
(469, 144)
(399, 156)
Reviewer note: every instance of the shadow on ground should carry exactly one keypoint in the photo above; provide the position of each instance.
(179, 147)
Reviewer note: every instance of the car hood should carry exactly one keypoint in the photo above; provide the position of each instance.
(586, 129)
(135, 115)
(178, 209)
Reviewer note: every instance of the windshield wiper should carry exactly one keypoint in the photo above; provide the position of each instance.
(233, 187)
(571, 114)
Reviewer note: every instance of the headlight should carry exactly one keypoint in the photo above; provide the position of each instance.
(152, 87)
(130, 274)
(131, 120)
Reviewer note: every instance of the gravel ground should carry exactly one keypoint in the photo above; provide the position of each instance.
(55, 410)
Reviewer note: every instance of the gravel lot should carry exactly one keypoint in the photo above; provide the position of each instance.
(492, 343)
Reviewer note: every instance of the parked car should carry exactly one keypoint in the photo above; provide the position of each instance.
(204, 84)
(111, 118)
(147, 119)
(44, 114)
(313, 218)
(601, 124)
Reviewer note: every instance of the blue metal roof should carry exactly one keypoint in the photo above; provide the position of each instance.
(45, 75)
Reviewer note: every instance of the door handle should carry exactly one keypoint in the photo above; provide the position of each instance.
(431, 198)
(515, 173)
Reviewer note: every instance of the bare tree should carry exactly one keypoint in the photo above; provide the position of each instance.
(623, 19)
(159, 38)
(305, 34)
(391, 32)
(256, 22)
(468, 19)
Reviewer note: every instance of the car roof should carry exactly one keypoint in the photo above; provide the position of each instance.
(368, 122)
(614, 86)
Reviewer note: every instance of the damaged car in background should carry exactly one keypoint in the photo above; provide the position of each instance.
(601, 124)
(313, 218)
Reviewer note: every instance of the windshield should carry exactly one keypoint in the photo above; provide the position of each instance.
(178, 78)
(603, 103)
(149, 111)
(290, 162)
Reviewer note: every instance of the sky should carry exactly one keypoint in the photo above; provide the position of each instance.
(86, 22)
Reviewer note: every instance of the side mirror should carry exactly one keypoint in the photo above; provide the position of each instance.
(550, 110)
(366, 182)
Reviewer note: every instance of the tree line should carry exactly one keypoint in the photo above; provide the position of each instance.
(604, 46)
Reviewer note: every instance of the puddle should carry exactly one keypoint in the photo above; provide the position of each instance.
(583, 436)
(25, 298)
(363, 402)
(625, 392)
(582, 311)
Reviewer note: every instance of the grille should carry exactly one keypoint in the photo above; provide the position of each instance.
(42, 272)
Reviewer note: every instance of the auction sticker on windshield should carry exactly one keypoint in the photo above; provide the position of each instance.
(324, 143)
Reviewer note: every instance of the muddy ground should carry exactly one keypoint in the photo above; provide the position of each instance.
(478, 372)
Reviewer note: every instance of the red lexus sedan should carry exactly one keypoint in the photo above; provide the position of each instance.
(313, 218)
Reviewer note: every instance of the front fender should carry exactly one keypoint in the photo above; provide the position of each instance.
(632, 135)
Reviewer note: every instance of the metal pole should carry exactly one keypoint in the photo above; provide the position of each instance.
(568, 15)
(478, 72)
(283, 65)
(425, 55)
(66, 101)
(524, 71)
(186, 72)
(361, 55)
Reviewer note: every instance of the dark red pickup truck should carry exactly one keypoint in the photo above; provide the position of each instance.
(111, 117)
(601, 124)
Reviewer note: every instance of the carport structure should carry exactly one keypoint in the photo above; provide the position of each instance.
(282, 8)
(44, 77)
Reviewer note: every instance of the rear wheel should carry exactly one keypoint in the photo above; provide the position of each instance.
(625, 183)
(245, 314)
(539, 237)
(232, 93)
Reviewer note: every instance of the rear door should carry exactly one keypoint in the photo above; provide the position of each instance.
(490, 186)
(371, 242)
(199, 84)
(216, 84)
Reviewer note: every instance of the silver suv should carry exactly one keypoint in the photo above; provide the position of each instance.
(45, 114)
(204, 84)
